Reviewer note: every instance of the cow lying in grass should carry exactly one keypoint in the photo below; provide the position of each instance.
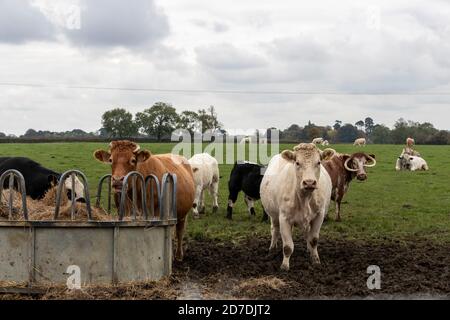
(410, 160)
(343, 168)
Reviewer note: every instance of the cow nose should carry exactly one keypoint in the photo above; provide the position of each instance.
(361, 177)
(117, 182)
(81, 200)
(309, 184)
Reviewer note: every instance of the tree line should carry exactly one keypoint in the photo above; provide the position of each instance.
(423, 133)
(159, 121)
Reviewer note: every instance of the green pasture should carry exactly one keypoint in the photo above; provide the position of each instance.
(390, 204)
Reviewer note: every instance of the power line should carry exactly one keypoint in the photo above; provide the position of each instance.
(201, 91)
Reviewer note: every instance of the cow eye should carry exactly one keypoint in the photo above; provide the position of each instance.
(110, 160)
(297, 163)
(318, 163)
(133, 161)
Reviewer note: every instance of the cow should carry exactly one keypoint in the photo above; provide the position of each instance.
(360, 142)
(38, 179)
(410, 142)
(125, 156)
(206, 177)
(343, 168)
(245, 176)
(325, 143)
(411, 163)
(296, 190)
(317, 141)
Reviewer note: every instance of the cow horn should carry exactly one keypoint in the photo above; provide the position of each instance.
(373, 163)
(346, 166)
(137, 148)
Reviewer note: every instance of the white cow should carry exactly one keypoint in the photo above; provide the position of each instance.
(360, 142)
(246, 140)
(317, 140)
(296, 190)
(206, 177)
(325, 143)
(411, 163)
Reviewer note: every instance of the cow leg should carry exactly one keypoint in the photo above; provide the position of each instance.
(180, 228)
(202, 202)
(250, 205)
(196, 204)
(214, 191)
(265, 216)
(312, 238)
(275, 231)
(231, 201)
(338, 209)
(288, 243)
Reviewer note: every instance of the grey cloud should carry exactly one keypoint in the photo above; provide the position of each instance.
(21, 22)
(117, 23)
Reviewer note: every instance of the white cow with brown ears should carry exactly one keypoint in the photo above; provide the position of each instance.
(206, 177)
(296, 190)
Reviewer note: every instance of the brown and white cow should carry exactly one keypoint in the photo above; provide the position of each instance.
(126, 156)
(410, 142)
(343, 168)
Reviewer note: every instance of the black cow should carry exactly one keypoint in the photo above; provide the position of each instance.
(38, 180)
(246, 177)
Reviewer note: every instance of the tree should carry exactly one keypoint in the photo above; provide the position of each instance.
(30, 133)
(369, 125)
(119, 123)
(337, 124)
(158, 120)
(347, 133)
(188, 120)
(359, 124)
(381, 134)
(2, 135)
(208, 119)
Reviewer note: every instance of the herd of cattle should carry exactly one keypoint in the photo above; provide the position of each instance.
(295, 188)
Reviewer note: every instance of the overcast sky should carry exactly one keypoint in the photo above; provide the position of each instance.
(378, 55)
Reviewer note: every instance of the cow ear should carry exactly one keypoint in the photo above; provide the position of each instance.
(52, 180)
(372, 156)
(345, 157)
(102, 156)
(143, 156)
(288, 155)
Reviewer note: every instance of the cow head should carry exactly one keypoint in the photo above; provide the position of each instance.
(307, 159)
(123, 156)
(53, 180)
(358, 162)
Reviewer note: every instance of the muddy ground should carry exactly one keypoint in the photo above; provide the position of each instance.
(218, 270)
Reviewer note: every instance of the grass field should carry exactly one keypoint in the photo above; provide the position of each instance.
(390, 204)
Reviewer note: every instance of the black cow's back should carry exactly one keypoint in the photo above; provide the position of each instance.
(246, 177)
(37, 178)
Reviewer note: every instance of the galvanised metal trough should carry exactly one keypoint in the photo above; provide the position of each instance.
(39, 253)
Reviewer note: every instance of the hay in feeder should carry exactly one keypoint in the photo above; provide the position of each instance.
(44, 209)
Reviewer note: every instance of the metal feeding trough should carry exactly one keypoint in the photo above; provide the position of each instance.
(35, 253)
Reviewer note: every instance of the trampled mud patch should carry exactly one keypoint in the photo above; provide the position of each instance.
(250, 271)
(222, 270)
